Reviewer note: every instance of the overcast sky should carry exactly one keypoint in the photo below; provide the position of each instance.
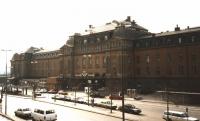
(48, 23)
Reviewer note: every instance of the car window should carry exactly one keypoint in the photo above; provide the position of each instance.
(50, 111)
(27, 109)
(39, 111)
(179, 115)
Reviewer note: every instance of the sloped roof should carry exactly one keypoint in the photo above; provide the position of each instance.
(32, 50)
(168, 33)
(112, 26)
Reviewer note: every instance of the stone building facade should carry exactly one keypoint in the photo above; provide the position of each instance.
(118, 53)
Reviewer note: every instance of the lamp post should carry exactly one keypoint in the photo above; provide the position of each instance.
(167, 94)
(6, 81)
(33, 83)
(85, 74)
(122, 77)
(89, 82)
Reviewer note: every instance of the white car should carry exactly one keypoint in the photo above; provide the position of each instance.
(23, 113)
(44, 115)
(178, 116)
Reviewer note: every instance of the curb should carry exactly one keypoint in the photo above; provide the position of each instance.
(7, 117)
(85, 110)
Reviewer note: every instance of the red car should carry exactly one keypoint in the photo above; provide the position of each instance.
(115, 97)
(52, 91)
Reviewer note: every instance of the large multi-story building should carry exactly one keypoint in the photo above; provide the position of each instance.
(118, 53)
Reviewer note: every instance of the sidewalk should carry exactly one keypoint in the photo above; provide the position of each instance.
(5, 118)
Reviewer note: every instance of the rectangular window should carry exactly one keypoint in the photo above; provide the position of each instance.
(138, 71)
(180, 58)
(148, 70)
(84, 62)
(157, 57)
(97, 60)
(147, 59)
(169, 58)
(138, 59)
(104, 61)
(158, 70)
(179, 40)
(194, 69)
(194, 58)
(180, 69)
(90, 62)
(193, 38)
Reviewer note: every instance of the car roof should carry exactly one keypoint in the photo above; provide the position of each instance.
(177, 112)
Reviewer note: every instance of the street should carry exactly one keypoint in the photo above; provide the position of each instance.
(63, 113)
(66, 110)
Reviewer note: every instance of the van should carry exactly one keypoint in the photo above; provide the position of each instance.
(43, 115)
(177, 116)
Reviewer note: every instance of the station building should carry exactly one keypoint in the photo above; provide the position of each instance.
(119, 53)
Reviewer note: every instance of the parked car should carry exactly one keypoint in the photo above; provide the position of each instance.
(44, 115)
(81, 100)
(115, 97)
(52, 91)
(58, 97)
(41, 90)
(62, 92)
(38, 94)
(129, 108)
(106, 104)
(95, 94)
(178, 116)
(23, 113)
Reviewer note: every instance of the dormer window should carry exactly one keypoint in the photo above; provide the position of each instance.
(98, 40)
(85, 41)
(106, 37)
(193, 38)
(179, 40)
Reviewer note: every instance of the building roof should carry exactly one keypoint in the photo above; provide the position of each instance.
(188, 30)
(168, 33)
(112, 26)
(38, 50)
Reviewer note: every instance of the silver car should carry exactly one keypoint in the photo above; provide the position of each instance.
(177, 116)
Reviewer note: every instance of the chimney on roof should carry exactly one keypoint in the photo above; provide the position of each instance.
(188, 27)
(177, 28)
(133, 22)
(128, 19)
(90, 26)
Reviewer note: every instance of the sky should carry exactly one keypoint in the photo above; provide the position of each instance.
(49, 23)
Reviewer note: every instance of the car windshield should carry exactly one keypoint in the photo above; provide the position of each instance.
(130, 106)
(26, 109)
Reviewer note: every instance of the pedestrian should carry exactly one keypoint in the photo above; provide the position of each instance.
(92, 101)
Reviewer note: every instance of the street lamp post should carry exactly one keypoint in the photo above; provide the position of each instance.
(6, 82)
(89, 82)
(167, 94)
(33, 83)
(85, 74)
(122, 78)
